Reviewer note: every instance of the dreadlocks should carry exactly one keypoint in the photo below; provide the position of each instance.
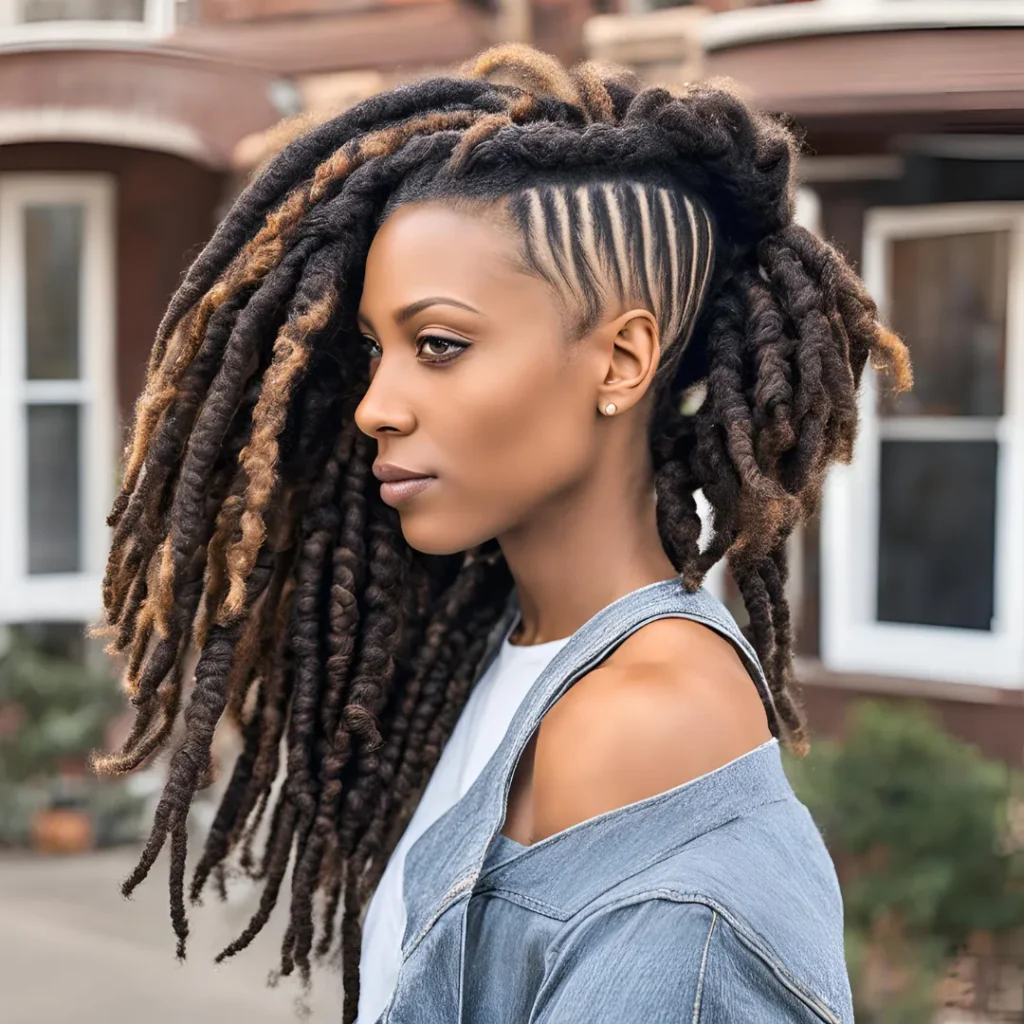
(247, 535)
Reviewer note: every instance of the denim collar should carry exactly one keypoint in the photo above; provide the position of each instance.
(445, 863)
(626, 841)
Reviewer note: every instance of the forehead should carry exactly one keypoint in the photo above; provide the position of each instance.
(432, 248)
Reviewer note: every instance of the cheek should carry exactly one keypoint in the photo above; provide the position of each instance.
(520, 439)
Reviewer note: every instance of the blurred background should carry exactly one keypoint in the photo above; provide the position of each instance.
(126, 129)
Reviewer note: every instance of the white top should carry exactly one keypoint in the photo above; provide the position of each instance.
(481, 726)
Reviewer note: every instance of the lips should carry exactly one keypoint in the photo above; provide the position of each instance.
(399, 484)
(397, 491)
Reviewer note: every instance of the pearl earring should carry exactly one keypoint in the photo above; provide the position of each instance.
(609, 408)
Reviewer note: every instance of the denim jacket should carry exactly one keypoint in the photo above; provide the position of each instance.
(715, 901)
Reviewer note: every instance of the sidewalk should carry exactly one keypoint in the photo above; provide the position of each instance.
(73, 949)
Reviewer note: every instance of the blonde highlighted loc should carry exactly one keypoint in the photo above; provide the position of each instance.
(247, 537)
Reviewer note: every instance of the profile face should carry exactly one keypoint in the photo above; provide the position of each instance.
(479, 389)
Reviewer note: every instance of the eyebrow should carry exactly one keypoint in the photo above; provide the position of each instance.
(407, 312)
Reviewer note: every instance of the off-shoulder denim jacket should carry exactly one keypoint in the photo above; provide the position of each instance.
(712, 902)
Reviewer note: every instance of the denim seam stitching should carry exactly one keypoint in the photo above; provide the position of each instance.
(451, 897)
(629, 810)
(639, 806)
(760, 949)
(547, 909)
(815, 1002)
(703, 968)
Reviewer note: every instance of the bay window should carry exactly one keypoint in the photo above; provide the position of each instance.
(923, 546)
(57, 406)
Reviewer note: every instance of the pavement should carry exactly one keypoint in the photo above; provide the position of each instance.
(73, 949)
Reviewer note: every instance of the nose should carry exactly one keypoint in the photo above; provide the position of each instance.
(384, 409)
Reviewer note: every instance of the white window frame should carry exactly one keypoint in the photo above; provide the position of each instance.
(852, 639)
(158, 21)
(714, 580)
(58, 597)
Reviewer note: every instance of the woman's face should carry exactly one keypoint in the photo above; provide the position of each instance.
(473, 383)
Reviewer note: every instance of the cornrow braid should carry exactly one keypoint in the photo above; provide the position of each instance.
(248, 538)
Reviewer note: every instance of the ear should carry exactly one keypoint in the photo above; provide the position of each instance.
(635, 354)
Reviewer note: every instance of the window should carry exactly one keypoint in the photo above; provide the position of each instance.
(923, 551)
(80, 10)
(82, 20)
(57, 409)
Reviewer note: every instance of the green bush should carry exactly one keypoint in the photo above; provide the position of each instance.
(918, 822)
(53, 714)
(58, 709)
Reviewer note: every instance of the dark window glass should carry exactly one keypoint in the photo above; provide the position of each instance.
(948, 301)
(57, 639)
(937, 525)
(53, 270)
(54, 543)
(82, 10)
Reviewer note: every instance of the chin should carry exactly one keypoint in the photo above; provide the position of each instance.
(434, 534)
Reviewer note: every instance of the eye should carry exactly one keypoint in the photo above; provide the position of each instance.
(372, 348)
(442, 350)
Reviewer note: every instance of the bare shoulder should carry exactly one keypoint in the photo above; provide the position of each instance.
(673, 702)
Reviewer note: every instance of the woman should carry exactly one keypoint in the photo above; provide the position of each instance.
(414, 474)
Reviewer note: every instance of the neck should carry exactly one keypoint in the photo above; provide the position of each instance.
(583, 551)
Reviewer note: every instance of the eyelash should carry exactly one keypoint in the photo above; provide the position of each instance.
(458, 346)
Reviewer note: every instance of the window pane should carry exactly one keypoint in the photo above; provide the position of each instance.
(53, 265)
(936, 545)
(57, 639)
(53, 489)
(949, 304)
(82, 10)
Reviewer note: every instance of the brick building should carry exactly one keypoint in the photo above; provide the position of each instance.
(124, 125)
(912, 584)
(120, 125)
